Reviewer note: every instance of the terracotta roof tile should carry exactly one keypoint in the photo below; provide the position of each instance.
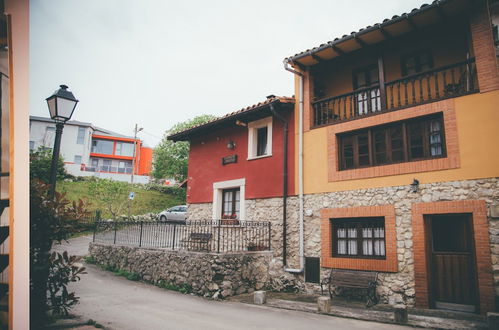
(386, 21)
(235, 114)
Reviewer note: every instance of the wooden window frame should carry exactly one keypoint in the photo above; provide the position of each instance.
(233, 191)
(417, 61)
(366, 71)
(359, 224)
(405, 124)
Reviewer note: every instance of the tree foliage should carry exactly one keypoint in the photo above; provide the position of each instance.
(40, 162)
(113, 194)
(51, 220)
(170, 158)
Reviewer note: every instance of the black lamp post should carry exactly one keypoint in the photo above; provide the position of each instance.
(61, 107)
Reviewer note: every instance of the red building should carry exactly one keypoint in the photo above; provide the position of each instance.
(240, 157)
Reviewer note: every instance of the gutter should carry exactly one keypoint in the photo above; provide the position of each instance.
(300, 170)
(284, 180)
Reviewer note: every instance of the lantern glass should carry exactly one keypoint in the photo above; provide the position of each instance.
(52, 107)
(65, 108)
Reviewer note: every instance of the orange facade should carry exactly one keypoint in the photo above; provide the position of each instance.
(362, 99)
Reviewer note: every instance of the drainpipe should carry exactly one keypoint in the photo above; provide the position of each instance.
(300, 167)
(284, 179)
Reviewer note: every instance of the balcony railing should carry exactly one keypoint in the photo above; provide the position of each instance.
(445, 82)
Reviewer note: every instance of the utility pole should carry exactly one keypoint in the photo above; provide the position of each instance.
(136, 130)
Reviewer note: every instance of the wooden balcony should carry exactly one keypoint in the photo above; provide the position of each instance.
(437, 84)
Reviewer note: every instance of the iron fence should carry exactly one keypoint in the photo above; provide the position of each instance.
(219, 236)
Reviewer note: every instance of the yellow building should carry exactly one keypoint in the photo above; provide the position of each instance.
(397, 158)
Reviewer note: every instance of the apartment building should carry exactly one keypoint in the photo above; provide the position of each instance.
(92, 151)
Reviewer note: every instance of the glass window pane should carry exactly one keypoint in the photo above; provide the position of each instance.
(102, 147)
(261, 141)
(81, 135)
(124, 149)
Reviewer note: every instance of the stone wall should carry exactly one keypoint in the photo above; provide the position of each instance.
(393, 287)
(399, 287)
(209, 274)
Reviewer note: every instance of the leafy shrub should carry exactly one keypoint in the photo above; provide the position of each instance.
(40, 162)
(63, 270)
(51, 220)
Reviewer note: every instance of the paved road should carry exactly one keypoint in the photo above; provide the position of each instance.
(76, 246)
(120, 304)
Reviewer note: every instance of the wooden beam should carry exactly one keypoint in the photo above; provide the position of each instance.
(411, 23)
(361, 42)
(317, 58)
(337, 50)
(299, 65)
(381, 73)
(385, 33)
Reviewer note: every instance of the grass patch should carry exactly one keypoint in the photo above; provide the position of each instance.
(95, 324)
(185, 288)
(90, 260)
(145, 201)
(128, 275)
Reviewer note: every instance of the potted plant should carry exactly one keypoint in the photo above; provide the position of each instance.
(229, 219)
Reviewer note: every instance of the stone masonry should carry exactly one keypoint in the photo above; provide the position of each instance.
(393, 288)
(208, 274)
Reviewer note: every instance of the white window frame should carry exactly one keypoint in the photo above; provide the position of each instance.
(253, 137)
(218, 188)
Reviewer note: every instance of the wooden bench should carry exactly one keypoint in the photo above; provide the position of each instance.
(198, 241)
(354, 279)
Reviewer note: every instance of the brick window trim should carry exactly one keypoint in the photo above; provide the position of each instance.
(451, 138)
(478, 210)
(389, 264)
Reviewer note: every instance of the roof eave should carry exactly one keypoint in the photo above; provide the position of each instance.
(199, 130)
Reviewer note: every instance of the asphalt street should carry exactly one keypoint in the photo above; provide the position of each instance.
(118, 303)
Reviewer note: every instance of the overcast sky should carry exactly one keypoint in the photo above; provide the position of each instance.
(160, 62)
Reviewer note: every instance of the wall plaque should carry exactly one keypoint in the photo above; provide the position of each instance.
(229, 159)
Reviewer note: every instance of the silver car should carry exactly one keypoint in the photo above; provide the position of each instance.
(174, 214)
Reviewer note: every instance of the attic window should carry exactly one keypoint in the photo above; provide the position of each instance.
(260, 138)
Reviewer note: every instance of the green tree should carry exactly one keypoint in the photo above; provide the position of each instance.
(112, 193)
(40, 162)
(170, 158)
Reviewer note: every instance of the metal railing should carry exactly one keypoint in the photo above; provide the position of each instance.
(219, 236)
(441, 83)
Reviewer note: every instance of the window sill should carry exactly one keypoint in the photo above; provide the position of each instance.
(259, 157)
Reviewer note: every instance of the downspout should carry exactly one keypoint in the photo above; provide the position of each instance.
(284, 180)
(300, 168)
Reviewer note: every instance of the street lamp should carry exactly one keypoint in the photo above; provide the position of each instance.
(61, 107)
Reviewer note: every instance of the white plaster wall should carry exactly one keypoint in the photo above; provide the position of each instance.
(69, 148)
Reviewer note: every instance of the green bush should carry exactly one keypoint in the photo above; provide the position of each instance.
(51, 220)
(40, 163)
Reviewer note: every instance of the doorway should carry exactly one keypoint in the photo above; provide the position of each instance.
(453, 277)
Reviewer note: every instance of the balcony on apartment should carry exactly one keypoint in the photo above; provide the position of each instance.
(426, 65)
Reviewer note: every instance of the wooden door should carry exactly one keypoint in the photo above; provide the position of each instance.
(453, 272)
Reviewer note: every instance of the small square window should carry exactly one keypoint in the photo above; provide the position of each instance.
(260, 138)
(77, 159)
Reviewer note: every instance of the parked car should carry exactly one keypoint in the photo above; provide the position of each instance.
(174, 214)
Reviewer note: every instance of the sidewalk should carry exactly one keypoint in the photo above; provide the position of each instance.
(341, 307)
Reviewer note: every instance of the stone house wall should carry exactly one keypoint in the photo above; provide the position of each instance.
(392, 287)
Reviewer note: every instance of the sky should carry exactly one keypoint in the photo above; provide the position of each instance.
(156, 63)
